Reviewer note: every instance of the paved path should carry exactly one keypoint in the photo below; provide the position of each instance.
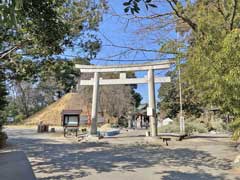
(126, 157)
(15, 165)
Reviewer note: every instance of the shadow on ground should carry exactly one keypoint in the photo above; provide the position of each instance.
(176, 175)
(76, 160)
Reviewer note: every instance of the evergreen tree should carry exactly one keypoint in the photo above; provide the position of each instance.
(3, 91)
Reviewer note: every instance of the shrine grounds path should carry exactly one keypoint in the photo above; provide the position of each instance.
(124, 157)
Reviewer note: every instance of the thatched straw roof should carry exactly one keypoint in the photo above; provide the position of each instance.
(52, 114)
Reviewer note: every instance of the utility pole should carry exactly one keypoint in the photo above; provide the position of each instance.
(181, 118)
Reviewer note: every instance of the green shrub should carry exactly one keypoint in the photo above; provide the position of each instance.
(190, 127)
(217, 125)
(170, 128)
(195, 127)
(3, 137)
(235, 127)
(19, 118)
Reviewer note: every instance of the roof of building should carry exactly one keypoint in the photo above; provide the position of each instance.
(52, 113)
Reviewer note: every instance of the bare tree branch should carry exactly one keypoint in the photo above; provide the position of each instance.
(221, 10)
(141, 49)
(233, 13)
(133, 48)
(180, 15)
(8, 51)
(153, 16)
(133, 16)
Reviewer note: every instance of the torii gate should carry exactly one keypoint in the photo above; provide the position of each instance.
(149, 79)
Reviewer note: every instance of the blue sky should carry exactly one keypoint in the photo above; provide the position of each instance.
(121, 32)
(116, 29)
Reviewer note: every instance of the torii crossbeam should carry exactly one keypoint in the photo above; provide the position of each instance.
(149, 79)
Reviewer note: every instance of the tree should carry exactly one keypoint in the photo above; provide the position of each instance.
(32, 33)
(3, 94)
(169, 98)
(212, 67)
(3, 91)
(210, 50)
(115, 100)
(205, 25)
(62, 71)
(46, 28)
(137, 97)
(49, 80)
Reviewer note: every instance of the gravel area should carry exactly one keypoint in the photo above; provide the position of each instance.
(128, 156)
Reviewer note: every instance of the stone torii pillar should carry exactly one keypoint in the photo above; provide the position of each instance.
(152, 103)
(95, 97)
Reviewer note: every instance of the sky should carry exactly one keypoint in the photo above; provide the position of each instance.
(118, 30)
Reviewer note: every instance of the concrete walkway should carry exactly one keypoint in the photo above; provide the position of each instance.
(15, 166)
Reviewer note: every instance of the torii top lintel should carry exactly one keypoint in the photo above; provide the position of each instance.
(126, 67)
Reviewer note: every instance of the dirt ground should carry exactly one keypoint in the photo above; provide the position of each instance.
(128, 156)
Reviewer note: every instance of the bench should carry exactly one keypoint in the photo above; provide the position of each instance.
(70, 131)
(181, 137)
(166, 139)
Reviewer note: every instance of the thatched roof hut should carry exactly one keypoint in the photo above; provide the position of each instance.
(52, 113)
